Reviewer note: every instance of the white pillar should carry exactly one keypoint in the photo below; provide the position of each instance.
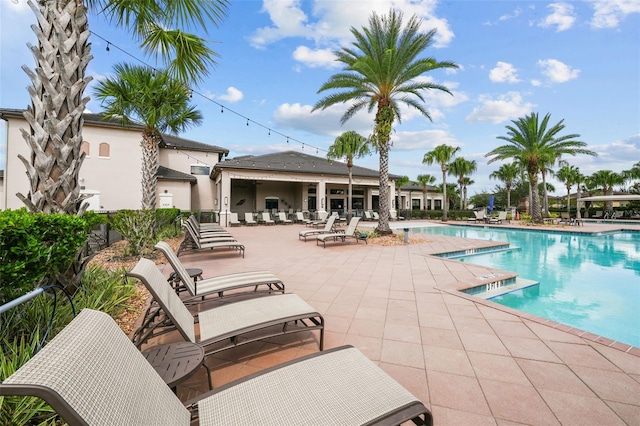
(321, 199)
(225, 198)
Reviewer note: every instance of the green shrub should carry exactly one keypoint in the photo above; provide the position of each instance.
(138, 228)
(35, 247)
(23, 327)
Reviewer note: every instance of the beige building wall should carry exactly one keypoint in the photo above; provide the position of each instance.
(202, 195)
(116, 174)
(180, 193)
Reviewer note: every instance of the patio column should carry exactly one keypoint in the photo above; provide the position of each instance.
(225, 198)
(321, 198)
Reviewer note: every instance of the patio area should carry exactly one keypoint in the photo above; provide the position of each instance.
(470, 361)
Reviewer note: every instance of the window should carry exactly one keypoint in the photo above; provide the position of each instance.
(200, 169)
(271, 203)
(336, 191)
(104, 150)
(358, 192)
(415, 204)
(312, 190)
(85, 148)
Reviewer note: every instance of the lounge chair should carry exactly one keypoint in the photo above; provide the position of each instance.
(209, 236)
(598, 214)
(368, 215)
(350, 232)
(217, 285)
(393, 215)
(248, 219)
(328, 229)
(233, 324)
(203, 227)
(300, 218)
(322, 219)
(266, 219)
(192, 242)
(120, 387)
(478, 216)
(282, 219)
(376, 216)
(233, 219)
(501, 216)
(565, 218)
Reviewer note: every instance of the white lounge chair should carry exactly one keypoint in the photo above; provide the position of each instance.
(350, 232)
(192, 242)
(233, 219)
(393, 215)
(120, 387)
(328, 229)
(266, 219)
(248, 219)
(501, 216)
(282, 219)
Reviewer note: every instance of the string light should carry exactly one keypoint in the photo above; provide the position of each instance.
(222, 107)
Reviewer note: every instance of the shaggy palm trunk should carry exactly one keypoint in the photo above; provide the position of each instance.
(508, 196)
(55, 115)
(536, 211)
(350, 197)
(384, 121)
(150, 161)
(545, 204)
(569, 199)
(425, 199)
(445, 203)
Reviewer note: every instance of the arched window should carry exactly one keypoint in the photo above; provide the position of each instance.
(85, 147)
(104, 150)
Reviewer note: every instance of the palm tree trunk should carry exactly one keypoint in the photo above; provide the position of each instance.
(508, 196)
(578, 215)
(350, 197)
(382, 132)
(150, 160)
(544, 194)
(445, 204)
(569, 200)
(425, 199)
(55, 115)
(536, 212)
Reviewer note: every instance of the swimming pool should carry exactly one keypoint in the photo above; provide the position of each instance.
(591, 282)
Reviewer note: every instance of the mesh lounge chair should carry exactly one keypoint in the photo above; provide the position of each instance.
(322, 219)
(120, 387)
(328, 229)
(479, 215)
(300, 218)
(351, 232)
(234, 324)
(210, 236)
(266, 219)
(192, 242)
(248, 219)
(218, 285)
(233, 219)
(368, 215)
(501, 216)
(393, 215)
(203, 227)
(282, 219)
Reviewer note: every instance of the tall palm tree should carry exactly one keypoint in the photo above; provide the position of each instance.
(400, 182)
(507, 173)
(466, 182)
(426, 180)
(568, 175)
(58, 81)
(381, 70)
(157, 101)
(579, 178)
(607, 179)
(349, 145)
(461, 168)
(442, 155)
(532, 142)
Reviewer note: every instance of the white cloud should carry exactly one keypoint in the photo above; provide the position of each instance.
(424, 140)
(504, 72)
(232, 95)
(563, 17)
(609, 13)
(535, 82)
(322, 122)
(506, 107)
(314, 58)
(517, 12)
(557, 71)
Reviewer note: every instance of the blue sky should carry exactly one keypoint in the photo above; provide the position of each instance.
(578, 61)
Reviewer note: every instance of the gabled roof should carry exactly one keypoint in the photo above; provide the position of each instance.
(170, 174)
(168, 141)
(413, 186)
(296, 162)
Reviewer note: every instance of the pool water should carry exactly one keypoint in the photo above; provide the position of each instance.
(590, 282)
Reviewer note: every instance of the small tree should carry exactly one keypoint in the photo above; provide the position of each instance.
(426, 180)
(442, 154)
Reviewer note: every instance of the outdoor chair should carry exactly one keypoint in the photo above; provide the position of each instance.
(501, 216)
(282, 219)
(233, 219)
(328, 228)
(322, 219)
(209, 236)
(478, 216)
(229, 325)
(119, 386)
(192, 242)
(248, 219)
(393, 215)
(203, 227)
(300, 218)
(351, 232)
(266, 219)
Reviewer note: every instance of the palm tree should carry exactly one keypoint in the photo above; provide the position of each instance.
(579, 178)
(399, 183)
(442, 154)
(425, 181)
(461, 168)
(532, 143)
(507, 173)
(157, 101)
(381, 70)
(568, 175)
(350, 145)
(58, 81)
(449, 190)
(606, 179)
(466, 182)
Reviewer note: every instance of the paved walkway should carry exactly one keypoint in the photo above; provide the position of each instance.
(471, 361)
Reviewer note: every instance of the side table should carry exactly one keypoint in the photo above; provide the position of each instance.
(176, 362)
(174, 279)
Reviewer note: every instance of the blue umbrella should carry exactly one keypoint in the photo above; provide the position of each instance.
(491, 203)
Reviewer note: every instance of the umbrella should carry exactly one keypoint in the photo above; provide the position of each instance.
(491, 203)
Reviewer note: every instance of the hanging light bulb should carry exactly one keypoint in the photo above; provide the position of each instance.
(269, 132)
(247, 121)
(221, 109)
(108, 47)
(287, 139)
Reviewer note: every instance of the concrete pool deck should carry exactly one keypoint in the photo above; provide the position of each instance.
(469, 360)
